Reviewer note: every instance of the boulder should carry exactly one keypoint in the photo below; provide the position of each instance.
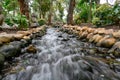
(11, 50)
(116, 34)
(115, 47)
(25, 33)
(95, 38)
(98, 38)
(103, 39)
(84, 35)
(109, 42)
(18, 36)
(90, 36)
(31, 49)
(5, 39)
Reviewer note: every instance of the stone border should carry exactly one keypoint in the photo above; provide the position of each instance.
(101, 37)
(11, 44)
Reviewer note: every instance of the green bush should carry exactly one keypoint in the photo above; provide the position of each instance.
(107, 15)
(96, 21)
(41, 22)
(102, 16)
(20, 20)
(115, 14)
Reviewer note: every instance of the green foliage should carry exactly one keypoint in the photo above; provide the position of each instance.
(41, 22)
(20, 20)
(115, 16)
(107, 15)
(96, 21)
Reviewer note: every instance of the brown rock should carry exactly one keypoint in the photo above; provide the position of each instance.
(31, 49)
(90, 35)
(25, 33)
(108, 42)
(115, 46)
(116, 34)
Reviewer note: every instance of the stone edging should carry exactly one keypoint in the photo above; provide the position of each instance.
(101, 37)
(11, 44)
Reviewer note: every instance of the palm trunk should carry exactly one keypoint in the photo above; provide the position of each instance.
(50, 14)
(24, 8)
(70, 12)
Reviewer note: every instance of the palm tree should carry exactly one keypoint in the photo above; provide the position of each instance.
(70, 12)
(24, 8)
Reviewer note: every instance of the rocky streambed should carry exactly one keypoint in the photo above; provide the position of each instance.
(61, 56)
(11, 45)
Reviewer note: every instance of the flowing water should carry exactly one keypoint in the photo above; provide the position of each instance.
(60, 57)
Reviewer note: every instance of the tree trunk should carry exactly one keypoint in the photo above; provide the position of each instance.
(1, 16)
(70, 12)
(90, 12)
(24, 8)
(50, 13)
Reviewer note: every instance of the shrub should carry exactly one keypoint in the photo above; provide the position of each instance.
(41, 22)
(102, 15)
(20, 20)
(96, 21)
(107, 15)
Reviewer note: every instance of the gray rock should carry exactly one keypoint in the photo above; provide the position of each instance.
(11, 50)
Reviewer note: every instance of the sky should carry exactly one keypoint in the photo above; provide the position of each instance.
(110, 1)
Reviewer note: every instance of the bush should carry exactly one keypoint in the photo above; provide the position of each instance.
(41, 22)
(102, 16)
(96, 21)
(20, 20)
(107, 15)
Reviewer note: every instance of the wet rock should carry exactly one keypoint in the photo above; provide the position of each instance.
(10, 50)
(115, 49)
(92, 51)
(31, 49)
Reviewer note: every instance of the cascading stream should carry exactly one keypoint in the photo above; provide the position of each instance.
(60, 57)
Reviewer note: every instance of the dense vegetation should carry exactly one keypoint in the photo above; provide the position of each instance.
(24, 13)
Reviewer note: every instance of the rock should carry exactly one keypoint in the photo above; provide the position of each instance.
(26, 37)
(89, 36)
(5, 39)
(5, 26)
(31, 49)
(10, 50)
(100, 41)
(92, 51)
(33, 25)
(108, 42)
(84, 35)
(98, 38)
(116, 34)
(25, 33)
(18, 36)
(115, 47)
(95, 38)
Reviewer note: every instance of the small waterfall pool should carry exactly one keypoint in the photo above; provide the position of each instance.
(61, 56)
